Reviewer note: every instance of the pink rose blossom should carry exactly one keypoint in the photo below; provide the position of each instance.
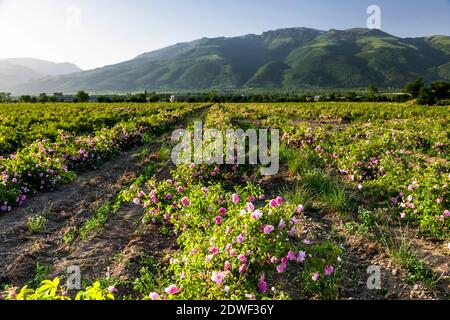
(218, 277)
(315, 276)
(281, 268)
(262, 284)
(301, 256)
(242, 258)
(154, 296)
(112, 289)
(172, 290)
(218, 220)
(329, 270)
(257, 215)
(185, 201)
(269, 229)
(279, 200)
(291, 256)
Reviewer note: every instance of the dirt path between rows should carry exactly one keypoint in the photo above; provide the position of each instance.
(72, 204)
(108, 254)
(66, 207)
(360, 253)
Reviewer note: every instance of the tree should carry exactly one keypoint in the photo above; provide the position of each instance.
(350, 96)
(413, 88)
(426, 97)
(441, 89)
(372, 91)
(5, 97)
(43, 98)
(25, 99)
(58, 97)
(213, 96)
(104, 99)
(82, 96)
(153, 97)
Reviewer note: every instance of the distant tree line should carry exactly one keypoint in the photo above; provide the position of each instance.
(437, 93)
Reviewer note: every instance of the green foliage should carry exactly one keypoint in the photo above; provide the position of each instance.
(414, 88)
(41, 273)
(44, 164)
(229, 248)
(51, 290)
(391, 153)
(81, 96)
(286, 58)
(36, 224)
(403, 253)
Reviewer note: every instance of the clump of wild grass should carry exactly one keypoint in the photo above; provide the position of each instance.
(36, 224)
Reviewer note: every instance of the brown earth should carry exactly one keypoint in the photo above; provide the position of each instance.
(68, 206)
(72, 204)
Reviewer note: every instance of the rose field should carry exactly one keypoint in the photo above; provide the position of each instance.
(359, 208)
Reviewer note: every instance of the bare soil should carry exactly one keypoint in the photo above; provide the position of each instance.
(68, 206)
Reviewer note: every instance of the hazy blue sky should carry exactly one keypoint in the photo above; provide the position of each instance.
(93, 33)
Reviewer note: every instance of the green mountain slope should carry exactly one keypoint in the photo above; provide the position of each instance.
(285, 58)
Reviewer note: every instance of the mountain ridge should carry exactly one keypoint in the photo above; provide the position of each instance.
(15, 71)
(276, 59)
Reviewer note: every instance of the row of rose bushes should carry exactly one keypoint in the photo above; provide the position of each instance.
(23, 124)
(234, 242)
(233, 246)
(45, 164)
(237, 244)
(404, 161)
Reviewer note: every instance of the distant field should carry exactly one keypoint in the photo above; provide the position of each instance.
(22, 124)
(360, 184)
